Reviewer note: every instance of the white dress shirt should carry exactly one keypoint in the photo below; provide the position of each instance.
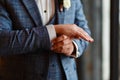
(47, 10)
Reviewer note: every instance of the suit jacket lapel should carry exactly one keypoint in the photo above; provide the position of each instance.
(33, 11)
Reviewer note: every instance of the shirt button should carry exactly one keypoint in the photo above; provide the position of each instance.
(45, 11)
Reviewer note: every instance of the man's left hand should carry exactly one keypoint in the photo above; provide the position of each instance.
(63, 45)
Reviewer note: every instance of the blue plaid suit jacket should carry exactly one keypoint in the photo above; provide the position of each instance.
(25, 44)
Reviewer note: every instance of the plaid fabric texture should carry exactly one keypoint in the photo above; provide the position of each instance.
(25, 45)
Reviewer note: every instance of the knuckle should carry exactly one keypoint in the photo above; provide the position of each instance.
(63, 36)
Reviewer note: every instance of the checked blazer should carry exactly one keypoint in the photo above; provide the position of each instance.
(25, 45)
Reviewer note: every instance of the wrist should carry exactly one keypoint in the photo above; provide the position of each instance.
(57, 29)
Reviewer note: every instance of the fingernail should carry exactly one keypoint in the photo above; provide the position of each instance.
(91, 40)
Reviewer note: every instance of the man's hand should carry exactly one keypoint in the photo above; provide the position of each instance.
(73, 31)
(63, 44)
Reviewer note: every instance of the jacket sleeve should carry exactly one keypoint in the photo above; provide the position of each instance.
(81, 21)
(20, 41)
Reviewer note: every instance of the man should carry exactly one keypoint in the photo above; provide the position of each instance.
(40, 39)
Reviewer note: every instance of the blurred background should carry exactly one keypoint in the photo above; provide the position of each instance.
(94, 64)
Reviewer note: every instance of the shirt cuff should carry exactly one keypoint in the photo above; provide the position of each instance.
(51, 32)
(76, 54)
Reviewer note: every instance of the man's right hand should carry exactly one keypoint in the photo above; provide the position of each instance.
(73, 31)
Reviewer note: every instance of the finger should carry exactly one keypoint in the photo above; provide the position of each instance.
(58, 49)
(90, 39)
(60, 38)
(66, 49)
(87, 38)
(80, 33)
(84, 35)
(61, 43)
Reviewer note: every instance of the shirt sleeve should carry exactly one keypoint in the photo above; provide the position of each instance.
(51, 32)
(76, 54)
